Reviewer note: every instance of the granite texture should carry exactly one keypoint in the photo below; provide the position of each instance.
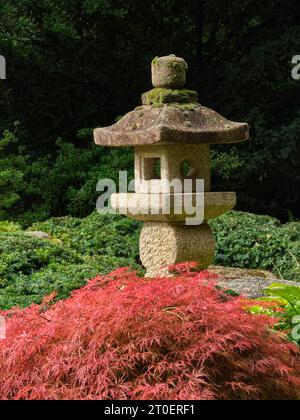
(172, 158)
(150, 125)
(163, 245)
(171, 114)
(161, 207)
(171, 134)
(248, 283)
(169, 72)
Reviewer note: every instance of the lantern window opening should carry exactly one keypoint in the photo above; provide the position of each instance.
(152, 168)
(188, 170)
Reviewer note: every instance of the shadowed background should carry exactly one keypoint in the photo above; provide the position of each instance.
(73, 65)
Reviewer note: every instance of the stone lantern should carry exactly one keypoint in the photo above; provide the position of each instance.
(171, 134)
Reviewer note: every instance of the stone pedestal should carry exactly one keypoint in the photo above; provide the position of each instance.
(165, 244)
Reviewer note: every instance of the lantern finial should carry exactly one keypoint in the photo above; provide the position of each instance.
(169, 72)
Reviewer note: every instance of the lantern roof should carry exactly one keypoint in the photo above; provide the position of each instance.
(171, 114)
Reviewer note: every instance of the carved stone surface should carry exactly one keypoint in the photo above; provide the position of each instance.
(171, 123)
(176, 161)
(139, 206)
(169, 72)
(163, 244)
(171, 134)
(249, 283)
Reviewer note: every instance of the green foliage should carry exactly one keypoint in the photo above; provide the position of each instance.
(65, 185)
(288, 298)
(96, 235)
(159, 96)
(12, 169)
(249, 241)
(82, 248)
(290, 294)
(227, 167)
(79, 63)
(31, 268)
(91, 71)
(54, 185)
(6, 227)
(282, 303)
(249, 79)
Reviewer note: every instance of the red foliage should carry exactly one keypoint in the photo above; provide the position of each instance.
(123, 337)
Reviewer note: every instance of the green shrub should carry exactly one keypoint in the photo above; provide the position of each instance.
(289, 319)
(6, 227)
(80, 249)
(249, 241)
(96, 234)
(67, 185)
(283, 303)
(12, 170)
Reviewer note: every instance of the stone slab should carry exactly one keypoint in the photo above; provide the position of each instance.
(138, 206)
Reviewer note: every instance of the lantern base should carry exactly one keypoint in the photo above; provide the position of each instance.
(164, 244)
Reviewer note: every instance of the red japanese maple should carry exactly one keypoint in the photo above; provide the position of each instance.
(123, 337)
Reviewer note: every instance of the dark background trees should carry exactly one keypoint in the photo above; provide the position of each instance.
(78, 64)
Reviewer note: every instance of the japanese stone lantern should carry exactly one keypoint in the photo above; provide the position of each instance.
(171, 134)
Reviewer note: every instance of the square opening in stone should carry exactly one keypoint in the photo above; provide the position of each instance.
(151, 169)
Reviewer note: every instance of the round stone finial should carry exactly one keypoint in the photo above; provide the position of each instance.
(169, 72)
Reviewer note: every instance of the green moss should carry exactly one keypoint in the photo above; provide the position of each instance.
(167, 96)
(180, 66)
(155, 61)
(158, 105)
(185, 107)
